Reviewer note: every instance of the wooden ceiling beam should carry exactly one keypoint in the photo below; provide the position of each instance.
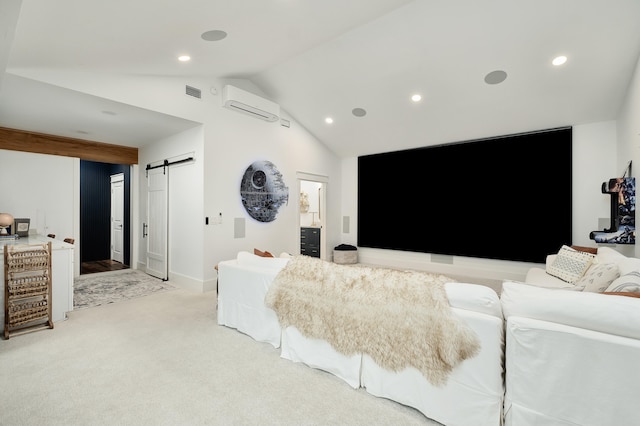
(21, 140)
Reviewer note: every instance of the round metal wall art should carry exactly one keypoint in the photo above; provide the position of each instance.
(263, 191)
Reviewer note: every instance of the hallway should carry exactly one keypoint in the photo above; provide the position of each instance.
(101, 266)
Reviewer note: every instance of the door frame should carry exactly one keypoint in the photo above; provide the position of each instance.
(116, 178)
(322, 214)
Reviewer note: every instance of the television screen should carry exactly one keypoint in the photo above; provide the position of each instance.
(504, 198)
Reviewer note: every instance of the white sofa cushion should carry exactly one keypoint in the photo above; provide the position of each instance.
(474, 297)
(616, 315)
(628, 265)
(540, 278)
(627, 282)
(570, 265)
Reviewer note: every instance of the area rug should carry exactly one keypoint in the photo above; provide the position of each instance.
(102, 289)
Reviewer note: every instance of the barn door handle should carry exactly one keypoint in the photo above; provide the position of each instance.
(144, 230)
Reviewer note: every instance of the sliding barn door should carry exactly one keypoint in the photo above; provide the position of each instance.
(156, 228)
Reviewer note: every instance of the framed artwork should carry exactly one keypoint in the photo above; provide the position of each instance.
(263, 191)
(623, 212)
(21, 227)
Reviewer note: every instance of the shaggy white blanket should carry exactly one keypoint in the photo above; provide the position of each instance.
(399, 318)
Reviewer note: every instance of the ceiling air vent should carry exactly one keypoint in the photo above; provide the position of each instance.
(192, 91)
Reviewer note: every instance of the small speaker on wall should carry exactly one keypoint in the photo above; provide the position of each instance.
(345, 224)
(238, 227)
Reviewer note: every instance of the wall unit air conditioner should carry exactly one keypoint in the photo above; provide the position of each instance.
(250, 104)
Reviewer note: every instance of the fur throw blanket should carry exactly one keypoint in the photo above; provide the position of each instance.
(399, 318)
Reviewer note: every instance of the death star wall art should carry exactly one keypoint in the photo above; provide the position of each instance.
(263, 191)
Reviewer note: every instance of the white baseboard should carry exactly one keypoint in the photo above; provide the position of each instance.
(187, 282)
(476, 271)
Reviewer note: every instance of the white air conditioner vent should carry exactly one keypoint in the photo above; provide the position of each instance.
(250, 104)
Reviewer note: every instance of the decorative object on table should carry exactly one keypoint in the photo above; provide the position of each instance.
(304, 202)
(6, 221)
(263, 191)
(313, 219)
(622, 229)
(28, 294)
(21, 226)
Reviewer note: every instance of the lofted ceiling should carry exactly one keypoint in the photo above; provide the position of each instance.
(320, 59)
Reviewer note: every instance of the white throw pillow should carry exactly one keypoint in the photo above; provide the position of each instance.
(598, 277)
(570, 265)
(609, 255)
(628, 264)
(628, 282)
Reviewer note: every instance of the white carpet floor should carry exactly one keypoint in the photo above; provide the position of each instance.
(163, 360)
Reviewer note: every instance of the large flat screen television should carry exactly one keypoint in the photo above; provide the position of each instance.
(506, 197)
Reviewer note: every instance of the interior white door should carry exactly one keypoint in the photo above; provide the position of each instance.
(156, 228)
(117, 217)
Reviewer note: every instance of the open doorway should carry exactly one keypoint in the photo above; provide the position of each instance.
(97, 236)
(312, 209)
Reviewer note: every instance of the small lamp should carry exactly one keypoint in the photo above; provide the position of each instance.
(6, 220)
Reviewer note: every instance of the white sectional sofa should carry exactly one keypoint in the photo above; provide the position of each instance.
(572, 342)
(242, 284)
(571, 357)
(473, 394)
(552, 352)
(477, 381)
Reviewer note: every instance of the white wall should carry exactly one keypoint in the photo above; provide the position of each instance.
(628, 127)
(232, 142)
(45, 189)
(185, 220)
(41, 188)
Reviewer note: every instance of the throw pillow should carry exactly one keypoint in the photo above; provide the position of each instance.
(598, 277)
(570, 265)
(592, 250)
(262, 253)
(628, 282)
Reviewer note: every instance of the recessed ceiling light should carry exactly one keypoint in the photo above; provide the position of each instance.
(416, 98)
(213, 35)
(328, 120)
(495, 77)
(184, 58)
(559, 60)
